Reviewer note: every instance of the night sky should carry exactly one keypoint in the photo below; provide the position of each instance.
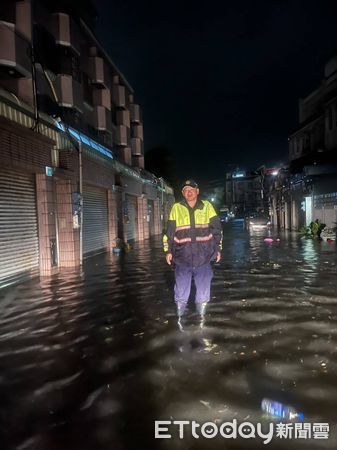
(219, 82)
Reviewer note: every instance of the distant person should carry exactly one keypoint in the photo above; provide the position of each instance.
(193, 239)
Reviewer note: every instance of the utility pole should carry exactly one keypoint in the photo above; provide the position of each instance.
(77, 143)
(80, 183)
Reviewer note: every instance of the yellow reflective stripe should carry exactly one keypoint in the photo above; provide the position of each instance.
(182, 241)
(185, 227)
(204, 238)
(165, 243)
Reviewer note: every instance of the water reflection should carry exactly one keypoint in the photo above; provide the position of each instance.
(90, 361)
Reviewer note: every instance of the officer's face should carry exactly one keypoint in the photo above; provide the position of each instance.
(190, 193)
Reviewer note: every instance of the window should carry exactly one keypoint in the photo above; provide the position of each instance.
(68, 63)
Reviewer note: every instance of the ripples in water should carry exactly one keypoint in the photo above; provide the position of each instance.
(90, 360)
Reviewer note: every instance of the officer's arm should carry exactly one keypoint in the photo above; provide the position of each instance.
(215, 227)
(170, 231)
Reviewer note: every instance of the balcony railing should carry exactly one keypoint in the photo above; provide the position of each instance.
(69, 92)
(102, 97)
(135, 113)
(121, 135)
(98, 72)
(136, 147)
(15, 54)
(102, 119)
(118, 96)
(137, 131)
(123, 117)
(65, 31)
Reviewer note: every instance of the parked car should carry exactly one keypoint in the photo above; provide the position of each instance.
(257, 222)
(223, 215)
(328, 234)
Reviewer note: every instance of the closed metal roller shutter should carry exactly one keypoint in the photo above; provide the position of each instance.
(19, 245)
(131, 215)
(95, 220)
(150, 205)
(120, 217)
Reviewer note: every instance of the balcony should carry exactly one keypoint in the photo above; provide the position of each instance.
(98, 72)
(123, 117)
(121, 135)
(118, 96)
(15, 61)
(135, 113)
(124, 154)
(65, 31)
(105, 137)
(23, 17)
(136, 147)
(137, 131)
(138, 161)
(102, 119)
(102, 97)
(69, 92)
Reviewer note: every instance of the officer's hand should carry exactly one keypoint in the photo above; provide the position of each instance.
(169, 258)
(218, 257)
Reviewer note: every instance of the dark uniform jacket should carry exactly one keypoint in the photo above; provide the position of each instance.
(194, 235)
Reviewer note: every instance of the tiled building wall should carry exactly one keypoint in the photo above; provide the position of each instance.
(46, 209)
(157, 222)
(143, 226)
(68, 235)
(112, 219)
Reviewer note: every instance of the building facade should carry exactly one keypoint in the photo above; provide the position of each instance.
(244, 192)
(307, 189)
(72, 178)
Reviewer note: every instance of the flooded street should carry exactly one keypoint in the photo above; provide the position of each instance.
(89, 361)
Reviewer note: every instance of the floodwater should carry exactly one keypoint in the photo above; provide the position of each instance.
(90, 360)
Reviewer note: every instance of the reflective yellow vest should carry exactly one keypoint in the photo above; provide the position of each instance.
(194, 235)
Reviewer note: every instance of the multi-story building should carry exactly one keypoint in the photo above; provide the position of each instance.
(214, 192)
(309, 189)
(244, 192)
(72, 178)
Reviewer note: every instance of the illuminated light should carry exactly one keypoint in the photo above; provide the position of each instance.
(85, 139)
(212, 199)
(90, 143)
(49, 171)
(238, 174)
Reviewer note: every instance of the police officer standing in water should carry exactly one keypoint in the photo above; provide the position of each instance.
(193, 239)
